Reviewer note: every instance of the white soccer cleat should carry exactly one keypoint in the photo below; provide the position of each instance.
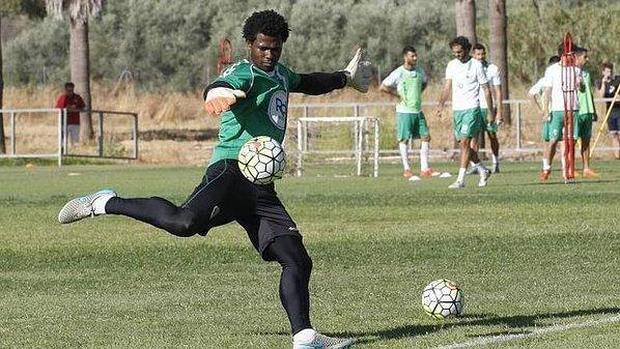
(457, 185)
(82, 207)
(323, 342)
(471, 170)
(414, 179)
(484, 177)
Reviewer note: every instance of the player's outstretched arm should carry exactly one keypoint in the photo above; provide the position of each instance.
(356, 75)
(358, 71)
(220, 99)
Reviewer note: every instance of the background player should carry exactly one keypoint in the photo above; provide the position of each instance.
(407, 82)
(252, 96)
(555, 118)
(464, 78)
(607, 87)
(495, 85)
(587, 112)
(535, 93)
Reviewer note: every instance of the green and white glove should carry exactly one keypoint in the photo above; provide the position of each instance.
(359, 71)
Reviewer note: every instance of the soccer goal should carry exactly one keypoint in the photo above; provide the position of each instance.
(339, 146)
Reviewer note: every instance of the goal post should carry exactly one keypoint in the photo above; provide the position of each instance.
(338, 140)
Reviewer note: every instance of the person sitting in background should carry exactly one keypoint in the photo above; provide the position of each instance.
(73, 103)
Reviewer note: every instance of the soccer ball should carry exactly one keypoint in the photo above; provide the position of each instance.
(262, 160)
(442, 298)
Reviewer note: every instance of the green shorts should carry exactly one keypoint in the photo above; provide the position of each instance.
(467, 123)
(552, 130)
(491, 127)
(583, 126)
(411, 126)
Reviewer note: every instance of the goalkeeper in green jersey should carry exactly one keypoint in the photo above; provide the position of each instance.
(251, 98)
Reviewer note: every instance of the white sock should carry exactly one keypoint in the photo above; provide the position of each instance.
(304, 336)
(403, 155)
(479, 166)
(546, 166)
(99, 204)
(461, 177)
(495, 159)
(424, 156)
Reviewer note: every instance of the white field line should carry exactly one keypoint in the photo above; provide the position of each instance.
(482, 341)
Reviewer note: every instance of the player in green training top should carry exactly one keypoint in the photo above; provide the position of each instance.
(252, 98)
(407, 82)
(587, 112)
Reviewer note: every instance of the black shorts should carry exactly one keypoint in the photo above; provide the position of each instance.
(613, 123)
(225, 195)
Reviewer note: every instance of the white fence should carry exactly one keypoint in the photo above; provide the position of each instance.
(60, 149)
(519, 139)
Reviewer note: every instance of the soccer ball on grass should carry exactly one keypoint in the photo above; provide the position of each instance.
(442, 298)
(262, 160)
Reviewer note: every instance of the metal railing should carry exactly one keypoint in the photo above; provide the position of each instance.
(62, 142)
(518, 106)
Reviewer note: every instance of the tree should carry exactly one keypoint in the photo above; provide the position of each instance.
(498, 46)
(2, 139)
(32, 8)
(465, 14)
(78, 13)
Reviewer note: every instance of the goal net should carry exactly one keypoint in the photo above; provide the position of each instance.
(336, 146)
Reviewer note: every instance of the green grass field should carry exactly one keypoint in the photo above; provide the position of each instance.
(528, 256)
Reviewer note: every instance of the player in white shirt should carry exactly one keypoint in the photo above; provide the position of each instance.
(408, 82)
(555, 117)
(536, 95)
(464, 78)
(495, 85)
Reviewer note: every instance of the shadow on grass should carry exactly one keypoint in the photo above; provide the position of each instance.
(516, 322)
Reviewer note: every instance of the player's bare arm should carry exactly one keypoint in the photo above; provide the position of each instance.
(499, 117)
(534, 101)
(388, 90)
(445, 94)
(545, 108)
(489, 99)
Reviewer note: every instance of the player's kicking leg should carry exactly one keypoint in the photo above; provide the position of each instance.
(274, 234)
(202, 210)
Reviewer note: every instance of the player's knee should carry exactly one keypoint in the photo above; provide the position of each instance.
(185, 224)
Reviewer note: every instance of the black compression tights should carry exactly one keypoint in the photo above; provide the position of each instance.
(158, 212)
(287, 250)
(290, 252)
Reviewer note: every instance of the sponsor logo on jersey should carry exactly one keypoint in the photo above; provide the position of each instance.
(278, 107)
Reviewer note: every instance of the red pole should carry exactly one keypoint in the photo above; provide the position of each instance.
(569, 89)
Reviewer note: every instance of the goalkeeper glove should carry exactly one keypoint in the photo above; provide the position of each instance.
(358, 72)
(220, 99)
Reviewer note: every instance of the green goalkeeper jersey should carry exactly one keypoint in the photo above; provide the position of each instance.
(262, 113)
(586, 100)
(409, 85)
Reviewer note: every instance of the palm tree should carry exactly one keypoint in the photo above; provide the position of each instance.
(78, 12)
(498, 47)
(2, 142)
(465, 14)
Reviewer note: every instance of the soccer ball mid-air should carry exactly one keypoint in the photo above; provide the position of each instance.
(262, 160)
(442, 298)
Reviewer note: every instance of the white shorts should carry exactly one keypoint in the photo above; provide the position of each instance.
(73, 133)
